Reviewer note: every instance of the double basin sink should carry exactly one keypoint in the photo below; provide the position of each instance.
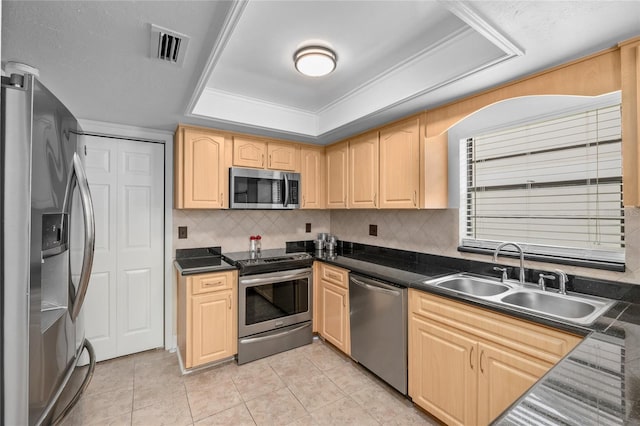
(579, 309)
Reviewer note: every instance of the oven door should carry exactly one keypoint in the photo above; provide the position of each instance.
(274, 300)
(263, 189)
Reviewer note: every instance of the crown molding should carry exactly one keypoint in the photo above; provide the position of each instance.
(407, 63)
(488, 31)
(230, 23)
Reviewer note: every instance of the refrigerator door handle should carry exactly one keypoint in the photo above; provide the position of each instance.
(89, 236)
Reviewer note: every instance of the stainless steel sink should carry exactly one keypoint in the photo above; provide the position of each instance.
(548, 304)
(474, 286)
(581, 309)
(576, 308)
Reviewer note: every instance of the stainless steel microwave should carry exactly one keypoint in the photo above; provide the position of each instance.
(263, 189)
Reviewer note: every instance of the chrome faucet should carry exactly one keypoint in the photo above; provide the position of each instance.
(562, 281)
(497, 251)
(541, 282)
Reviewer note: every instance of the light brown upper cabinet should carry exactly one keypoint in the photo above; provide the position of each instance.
(363, 172)
(200, 170)
(282, 156)
(434, 169)
(263, 154)
(400, 165)
(337, 158)
(630, 63)
(249, 152)
(312, 171)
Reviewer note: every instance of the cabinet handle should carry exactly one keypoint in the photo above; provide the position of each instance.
(262, 160)
(221, 199)
(344, 302)
(229, 301)
(414, 198)
(471, 357)
(270, 162)
(375, 200)
(209, 284)
(481, 355)
(303, 201)
(345, 200)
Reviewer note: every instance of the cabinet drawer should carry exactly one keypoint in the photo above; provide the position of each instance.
(205, 283)
(335, 275)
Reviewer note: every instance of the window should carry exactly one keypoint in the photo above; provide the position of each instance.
(554, 186)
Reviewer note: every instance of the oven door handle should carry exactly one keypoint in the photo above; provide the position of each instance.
(273, 279)
(274, 336)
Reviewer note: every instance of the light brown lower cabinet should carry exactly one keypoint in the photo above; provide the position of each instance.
(467, 364)
(207, 317)
(333, 305)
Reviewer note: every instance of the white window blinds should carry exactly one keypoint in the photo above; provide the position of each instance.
(553, 186)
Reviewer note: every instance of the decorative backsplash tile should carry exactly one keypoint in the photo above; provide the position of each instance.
(231, 229)
(436, 232)
(426, 231)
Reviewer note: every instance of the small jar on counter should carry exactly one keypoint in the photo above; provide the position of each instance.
(253, 245)
(258, 245)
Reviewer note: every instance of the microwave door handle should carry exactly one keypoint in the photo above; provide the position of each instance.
(286, 190)
(89, 236)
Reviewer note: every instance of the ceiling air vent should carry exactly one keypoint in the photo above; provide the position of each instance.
(167, 45)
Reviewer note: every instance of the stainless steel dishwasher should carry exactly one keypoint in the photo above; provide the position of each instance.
(379, 328)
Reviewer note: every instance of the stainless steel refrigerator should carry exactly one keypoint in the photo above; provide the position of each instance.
(42, 183)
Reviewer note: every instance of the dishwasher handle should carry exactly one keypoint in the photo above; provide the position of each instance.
(377, 286)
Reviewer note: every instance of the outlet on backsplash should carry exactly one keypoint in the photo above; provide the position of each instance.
(307, 227)
(182, 232)
(373, 230)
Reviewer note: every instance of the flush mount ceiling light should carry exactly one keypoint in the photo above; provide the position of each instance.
(315, 61)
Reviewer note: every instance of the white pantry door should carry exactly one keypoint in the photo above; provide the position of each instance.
(123, 309)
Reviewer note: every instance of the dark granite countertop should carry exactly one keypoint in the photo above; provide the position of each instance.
(394, 275)
(200, 261)
(597, 383)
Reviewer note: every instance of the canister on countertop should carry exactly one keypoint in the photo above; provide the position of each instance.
(330, 245)
(253, 246)
(258, 245)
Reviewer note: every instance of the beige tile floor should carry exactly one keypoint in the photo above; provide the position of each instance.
(311, 385)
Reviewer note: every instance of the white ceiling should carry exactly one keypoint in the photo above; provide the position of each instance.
(394, 57)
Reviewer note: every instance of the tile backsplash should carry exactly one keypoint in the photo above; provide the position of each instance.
(436, 232)
(231, 229)
(425, 231)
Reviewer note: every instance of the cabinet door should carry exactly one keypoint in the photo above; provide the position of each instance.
(317, 297)
(282, 156)
(442, 370)
(434, 191)
(399, 165)
(335, 316)
(337, 174)
(203, 171)
(363, 172)
(504, 375)
(312, 175)
(213, 326)
(249, 152)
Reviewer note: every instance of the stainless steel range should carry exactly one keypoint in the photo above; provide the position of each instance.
(274, 302)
